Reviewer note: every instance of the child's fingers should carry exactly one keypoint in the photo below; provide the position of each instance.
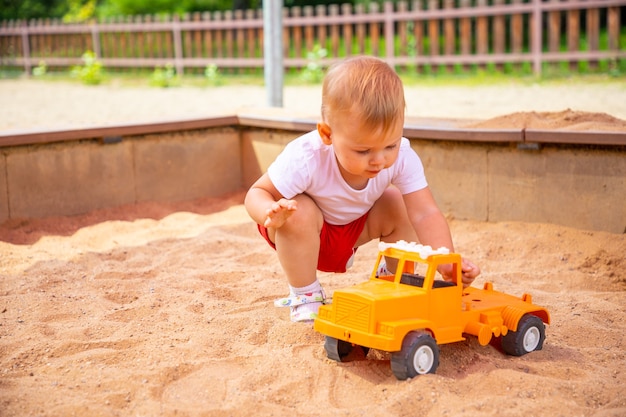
(288, 204)
(470, 269)
(470, 272)
(281, 205)
(274, 218)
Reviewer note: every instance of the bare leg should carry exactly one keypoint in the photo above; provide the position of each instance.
(388, 221)
(298, 242)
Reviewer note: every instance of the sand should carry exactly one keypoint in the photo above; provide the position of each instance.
(167, 309)
(33, 104)
(567, 119)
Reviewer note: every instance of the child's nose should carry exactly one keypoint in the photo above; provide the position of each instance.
(378, 158)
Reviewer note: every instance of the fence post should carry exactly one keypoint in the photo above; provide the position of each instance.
(346, 10)
(536, 37)
(613, 23)
(273, 51)
(333, 10)
(26, 48)
(482, 35)
(389, 33)
(178, 46)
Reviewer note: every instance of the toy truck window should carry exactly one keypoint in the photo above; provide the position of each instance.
(413, 274)
(416, 278)
(415, 261)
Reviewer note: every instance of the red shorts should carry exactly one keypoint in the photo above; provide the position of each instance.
(336, 244)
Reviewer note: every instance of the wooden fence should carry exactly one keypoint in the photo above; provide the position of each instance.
(422, 33)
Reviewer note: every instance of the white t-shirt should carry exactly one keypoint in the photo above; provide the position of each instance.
(307, 165)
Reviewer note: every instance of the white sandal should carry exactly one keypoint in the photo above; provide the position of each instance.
(312, 300)
(382, 270)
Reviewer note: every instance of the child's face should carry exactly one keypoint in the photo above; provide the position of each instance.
(362, 152)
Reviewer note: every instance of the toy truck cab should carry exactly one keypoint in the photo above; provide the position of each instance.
(409, 313)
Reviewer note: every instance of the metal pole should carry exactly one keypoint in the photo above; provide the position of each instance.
(178, 47)
(26, 48)
(273, 51)
(95, 39)
(537, 35)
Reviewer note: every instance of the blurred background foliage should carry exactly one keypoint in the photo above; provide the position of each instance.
(84, 10)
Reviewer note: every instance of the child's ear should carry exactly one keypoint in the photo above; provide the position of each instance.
(324, 130)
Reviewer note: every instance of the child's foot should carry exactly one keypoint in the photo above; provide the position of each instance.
(303, 307)
(382, 269)
(305, 312)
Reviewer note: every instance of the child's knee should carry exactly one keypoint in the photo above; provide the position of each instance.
(308, 214)
(393, 195)
(390, 205)
(308, 211)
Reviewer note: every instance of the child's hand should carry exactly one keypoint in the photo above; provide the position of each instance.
(279, 212)
(469, 272)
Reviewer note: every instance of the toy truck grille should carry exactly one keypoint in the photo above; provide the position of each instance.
(353, 314)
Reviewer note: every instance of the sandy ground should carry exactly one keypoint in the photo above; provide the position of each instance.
(33, 104)
(167, 309)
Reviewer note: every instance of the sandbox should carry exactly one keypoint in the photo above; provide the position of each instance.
(567, 168)
(132, 281)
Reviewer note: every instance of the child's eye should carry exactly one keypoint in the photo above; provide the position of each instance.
(363, 152)
(394, 146)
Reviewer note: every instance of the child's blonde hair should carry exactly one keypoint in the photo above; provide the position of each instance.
(366, 88)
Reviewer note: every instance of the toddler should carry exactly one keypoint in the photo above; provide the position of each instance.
(352, 180)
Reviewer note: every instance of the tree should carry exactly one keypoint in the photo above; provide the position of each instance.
(142, 7)
(80, 10)
(31, 9)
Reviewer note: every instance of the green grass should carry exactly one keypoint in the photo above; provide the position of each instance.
(552, 74)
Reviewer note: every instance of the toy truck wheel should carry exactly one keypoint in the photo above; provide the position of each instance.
(419, 356)
(337, 349)
(530, 334)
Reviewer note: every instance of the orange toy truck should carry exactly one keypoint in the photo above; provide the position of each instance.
(409, 313)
